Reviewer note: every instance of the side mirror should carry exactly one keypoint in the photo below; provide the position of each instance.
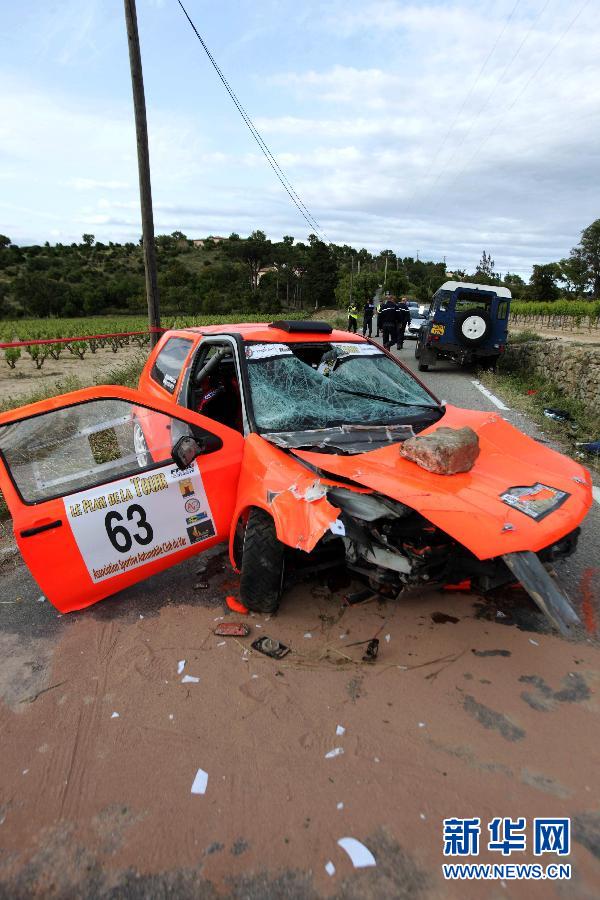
(185, 451)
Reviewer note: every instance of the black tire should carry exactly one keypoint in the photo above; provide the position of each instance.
(475, 332)
(261, 582)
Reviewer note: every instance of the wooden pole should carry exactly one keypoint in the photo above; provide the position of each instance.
(141, 132)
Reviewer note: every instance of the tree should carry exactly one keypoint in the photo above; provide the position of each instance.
(88, 239)
(321, 273)
(575, 272)
(542, 284)
(485, 269)
(4, 241)
(590, 248)
(256, 251)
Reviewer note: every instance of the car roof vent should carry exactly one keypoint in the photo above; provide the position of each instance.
(297, 325)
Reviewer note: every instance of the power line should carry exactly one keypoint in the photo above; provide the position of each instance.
(490, 95)
(467, 97)
(522, 91)
(285, 182)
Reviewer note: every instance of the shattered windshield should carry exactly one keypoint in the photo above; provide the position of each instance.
(297, 387)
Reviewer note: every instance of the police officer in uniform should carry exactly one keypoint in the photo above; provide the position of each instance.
(368, 311)
(402, 320)
(387, 322)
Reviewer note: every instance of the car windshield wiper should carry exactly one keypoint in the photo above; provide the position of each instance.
(388, 399)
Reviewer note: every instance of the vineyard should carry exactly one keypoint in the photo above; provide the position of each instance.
(85, 336)
(565, 314)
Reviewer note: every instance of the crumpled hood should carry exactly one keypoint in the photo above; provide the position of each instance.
(468, 506)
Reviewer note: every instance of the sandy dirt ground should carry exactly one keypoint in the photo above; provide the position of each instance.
(472, 708)
(25, 379)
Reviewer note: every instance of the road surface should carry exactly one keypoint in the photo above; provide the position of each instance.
(474, 708)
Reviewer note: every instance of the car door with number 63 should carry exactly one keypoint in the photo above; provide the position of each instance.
(96, 500)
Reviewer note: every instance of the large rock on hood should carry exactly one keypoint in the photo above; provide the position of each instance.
(445, 451)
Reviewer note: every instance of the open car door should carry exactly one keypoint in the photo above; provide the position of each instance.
(96, 500)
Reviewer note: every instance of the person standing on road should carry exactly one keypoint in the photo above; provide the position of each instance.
(368, 310)
(379, 307)
(352, 317)
(387, 321)
(402, 320)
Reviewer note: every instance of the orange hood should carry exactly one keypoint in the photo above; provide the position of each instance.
(468, 506)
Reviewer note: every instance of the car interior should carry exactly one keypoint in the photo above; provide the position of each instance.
(214, 386)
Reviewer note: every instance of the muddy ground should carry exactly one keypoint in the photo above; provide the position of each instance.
(472, 708)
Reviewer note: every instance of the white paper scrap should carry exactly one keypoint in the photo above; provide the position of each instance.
(41, 599)
(421, 724)
(337, 751)
(388, 638)
(535, 643)
(307, 634)
(330, 868)
(180, 666)
(340, 805)
(200, 782)
(340, 730)
(358, 853)
(221, 643)
(115, 715)
(190, 679)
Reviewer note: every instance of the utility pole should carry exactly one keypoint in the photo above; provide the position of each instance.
(385, 271)
(141, 133)
(351, 277)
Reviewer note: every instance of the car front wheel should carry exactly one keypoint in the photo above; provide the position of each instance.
(261, 582)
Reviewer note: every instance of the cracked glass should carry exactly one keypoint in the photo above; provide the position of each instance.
(319, 386)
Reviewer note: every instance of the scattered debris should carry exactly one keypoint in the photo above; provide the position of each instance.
(190, 679)
(307, 634)
(388, 638)
(115, 715)
(592, 447)
(440, 618)
(491, 652)
(559, 415)
(330, 868)
(232, 629)
(360, 856)
(41, 599)
(535, 643)
(337, 751)
(221, 643)
(340, 730)
(200, 782)
(236, 606)
(340, 805)
(270, 647)
(446, 451)
(462, 586)
(180, 666)
(201, 586)
(422, 816)
(358, 597)
(421, 724)
(372, 650)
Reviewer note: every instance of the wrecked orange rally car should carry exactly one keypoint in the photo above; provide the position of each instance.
(284, 440)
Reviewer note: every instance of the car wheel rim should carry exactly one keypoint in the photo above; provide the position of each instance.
(140, 446)
(473, 327)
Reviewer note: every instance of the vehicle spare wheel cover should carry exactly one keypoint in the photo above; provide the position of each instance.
(473, 327)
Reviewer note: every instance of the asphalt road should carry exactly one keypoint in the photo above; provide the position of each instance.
(474, 708)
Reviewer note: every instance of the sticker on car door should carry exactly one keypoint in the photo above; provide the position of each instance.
(130, 522)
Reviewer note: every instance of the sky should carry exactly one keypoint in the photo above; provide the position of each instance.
(430, 128)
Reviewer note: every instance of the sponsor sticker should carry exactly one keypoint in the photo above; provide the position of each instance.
(360, 348)
(535, 500)
(438, 329)
(265, 351)
(192, 505)
(131, 521)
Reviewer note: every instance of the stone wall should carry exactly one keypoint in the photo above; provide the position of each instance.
(573, 368)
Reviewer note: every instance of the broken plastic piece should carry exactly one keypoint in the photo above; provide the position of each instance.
(371, 651)
(232, 629)
(200, 782)
(360, 856)
(190, 679)
(464, 585)
(236, 606)
(337, 751)
(357, 597)
(340, 730)
(330, 868)
(180, 666)
(559, 415)
(270, 647)
(115, 715)
(543, 590)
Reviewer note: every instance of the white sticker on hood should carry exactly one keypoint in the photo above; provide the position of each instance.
(265, 351)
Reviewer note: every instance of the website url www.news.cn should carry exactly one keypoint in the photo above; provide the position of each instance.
(506, 871)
